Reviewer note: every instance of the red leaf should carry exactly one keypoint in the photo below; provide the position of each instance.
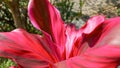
(27, 50)
(46, 17)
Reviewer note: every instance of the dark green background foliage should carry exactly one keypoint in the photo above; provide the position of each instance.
(6, 19)
(66, 9)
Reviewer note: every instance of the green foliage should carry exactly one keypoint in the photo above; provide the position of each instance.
(6, 20)
(66, 9)
(31, 29)
(81, 3)
(118, 12)
(6, 63)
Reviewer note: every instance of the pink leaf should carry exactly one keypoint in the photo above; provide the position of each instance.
(27, 50)
(46, 17)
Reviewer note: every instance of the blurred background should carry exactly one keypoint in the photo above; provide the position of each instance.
(13, 14)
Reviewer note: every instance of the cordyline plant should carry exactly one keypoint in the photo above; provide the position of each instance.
(95, 45)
